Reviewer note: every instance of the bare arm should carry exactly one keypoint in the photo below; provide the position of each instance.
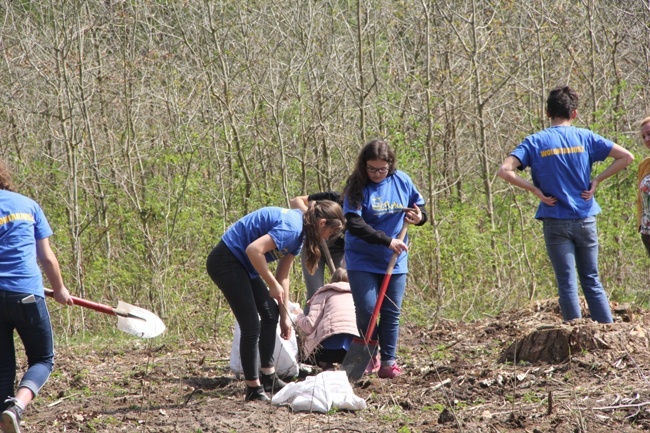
(255, 252)
(50, 266)
(622, 158)
(300, 202)
(279, 283)
(507, 172)
(282, 276)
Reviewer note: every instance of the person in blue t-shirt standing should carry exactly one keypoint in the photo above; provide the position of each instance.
(238, 265)
(24, 243)
(561, 158)
(375, 197)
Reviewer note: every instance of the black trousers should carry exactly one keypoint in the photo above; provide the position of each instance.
(256, 312)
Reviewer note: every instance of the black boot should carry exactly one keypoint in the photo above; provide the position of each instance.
(256, 393)
(271, 382)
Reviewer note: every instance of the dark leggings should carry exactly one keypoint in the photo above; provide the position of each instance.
(256, 312)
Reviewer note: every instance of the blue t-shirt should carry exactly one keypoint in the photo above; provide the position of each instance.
(561, 159)
(283, 225)
(382, 210)
(22, 223)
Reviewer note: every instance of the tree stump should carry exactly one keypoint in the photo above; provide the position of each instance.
(542, 345)
(555, 344)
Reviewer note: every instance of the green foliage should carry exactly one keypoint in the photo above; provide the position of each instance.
(153, 126)
(437, 407)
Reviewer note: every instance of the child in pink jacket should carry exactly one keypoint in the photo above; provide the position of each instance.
(328, 328)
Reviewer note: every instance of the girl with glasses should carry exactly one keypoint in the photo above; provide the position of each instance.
(376, 196)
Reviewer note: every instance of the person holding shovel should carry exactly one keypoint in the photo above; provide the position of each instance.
(238, 265)
(316, 280)
(24, 243)
(560, 158)
(378, 200)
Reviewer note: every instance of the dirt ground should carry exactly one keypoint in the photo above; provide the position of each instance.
(453, 382)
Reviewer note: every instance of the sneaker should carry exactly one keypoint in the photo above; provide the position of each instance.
(389, 371)
(373, 365)
(11, 417)
(271, 382)
(256, 393)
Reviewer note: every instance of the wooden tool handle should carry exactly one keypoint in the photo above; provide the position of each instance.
(384, 286)
(328, 255)
(106, 309)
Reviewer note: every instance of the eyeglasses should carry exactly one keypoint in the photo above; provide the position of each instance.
(382, 170)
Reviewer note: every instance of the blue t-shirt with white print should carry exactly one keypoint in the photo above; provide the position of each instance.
(561, 159)
(382, 210)
(283, 225)
(22, 223)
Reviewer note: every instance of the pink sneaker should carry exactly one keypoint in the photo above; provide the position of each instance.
(373, 365)
(389, 371)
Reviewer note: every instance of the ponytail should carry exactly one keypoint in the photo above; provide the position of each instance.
(332, 213)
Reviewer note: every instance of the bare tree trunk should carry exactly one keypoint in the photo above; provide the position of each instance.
(361, 72)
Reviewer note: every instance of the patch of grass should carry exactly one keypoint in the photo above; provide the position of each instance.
(103, 421)
(395, 414)
(531, 397)
(440, 352)
(434, 407)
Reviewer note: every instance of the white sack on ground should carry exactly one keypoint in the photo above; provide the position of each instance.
(286, 355)
(321, 393)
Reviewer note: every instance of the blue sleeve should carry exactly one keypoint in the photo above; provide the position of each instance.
(600, 147)
(42, 228)
(523, 152)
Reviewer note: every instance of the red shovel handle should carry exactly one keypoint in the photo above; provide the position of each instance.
(384, 287)
(106, 309)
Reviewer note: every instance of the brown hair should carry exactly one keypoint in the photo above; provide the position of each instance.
(332, 213)
(561, 102)
(339, 275)
(5, 177)
(357, 181)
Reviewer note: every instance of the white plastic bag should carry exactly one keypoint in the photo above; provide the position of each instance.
(285, 355)
(320, 393)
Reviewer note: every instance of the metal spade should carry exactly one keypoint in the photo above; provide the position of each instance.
(362, 349)
(130, 319)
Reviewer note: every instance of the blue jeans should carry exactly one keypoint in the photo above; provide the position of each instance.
(365, 289)
(573, 245)
(32, 322)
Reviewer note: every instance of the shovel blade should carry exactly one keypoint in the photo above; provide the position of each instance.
(356, 360)
(144, 324)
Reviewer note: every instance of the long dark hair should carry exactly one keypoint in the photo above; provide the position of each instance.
(375, 149)
(332, 213)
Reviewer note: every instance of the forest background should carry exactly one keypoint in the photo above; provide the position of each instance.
(145, 128)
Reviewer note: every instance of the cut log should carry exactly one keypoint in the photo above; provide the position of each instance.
(555, 344)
